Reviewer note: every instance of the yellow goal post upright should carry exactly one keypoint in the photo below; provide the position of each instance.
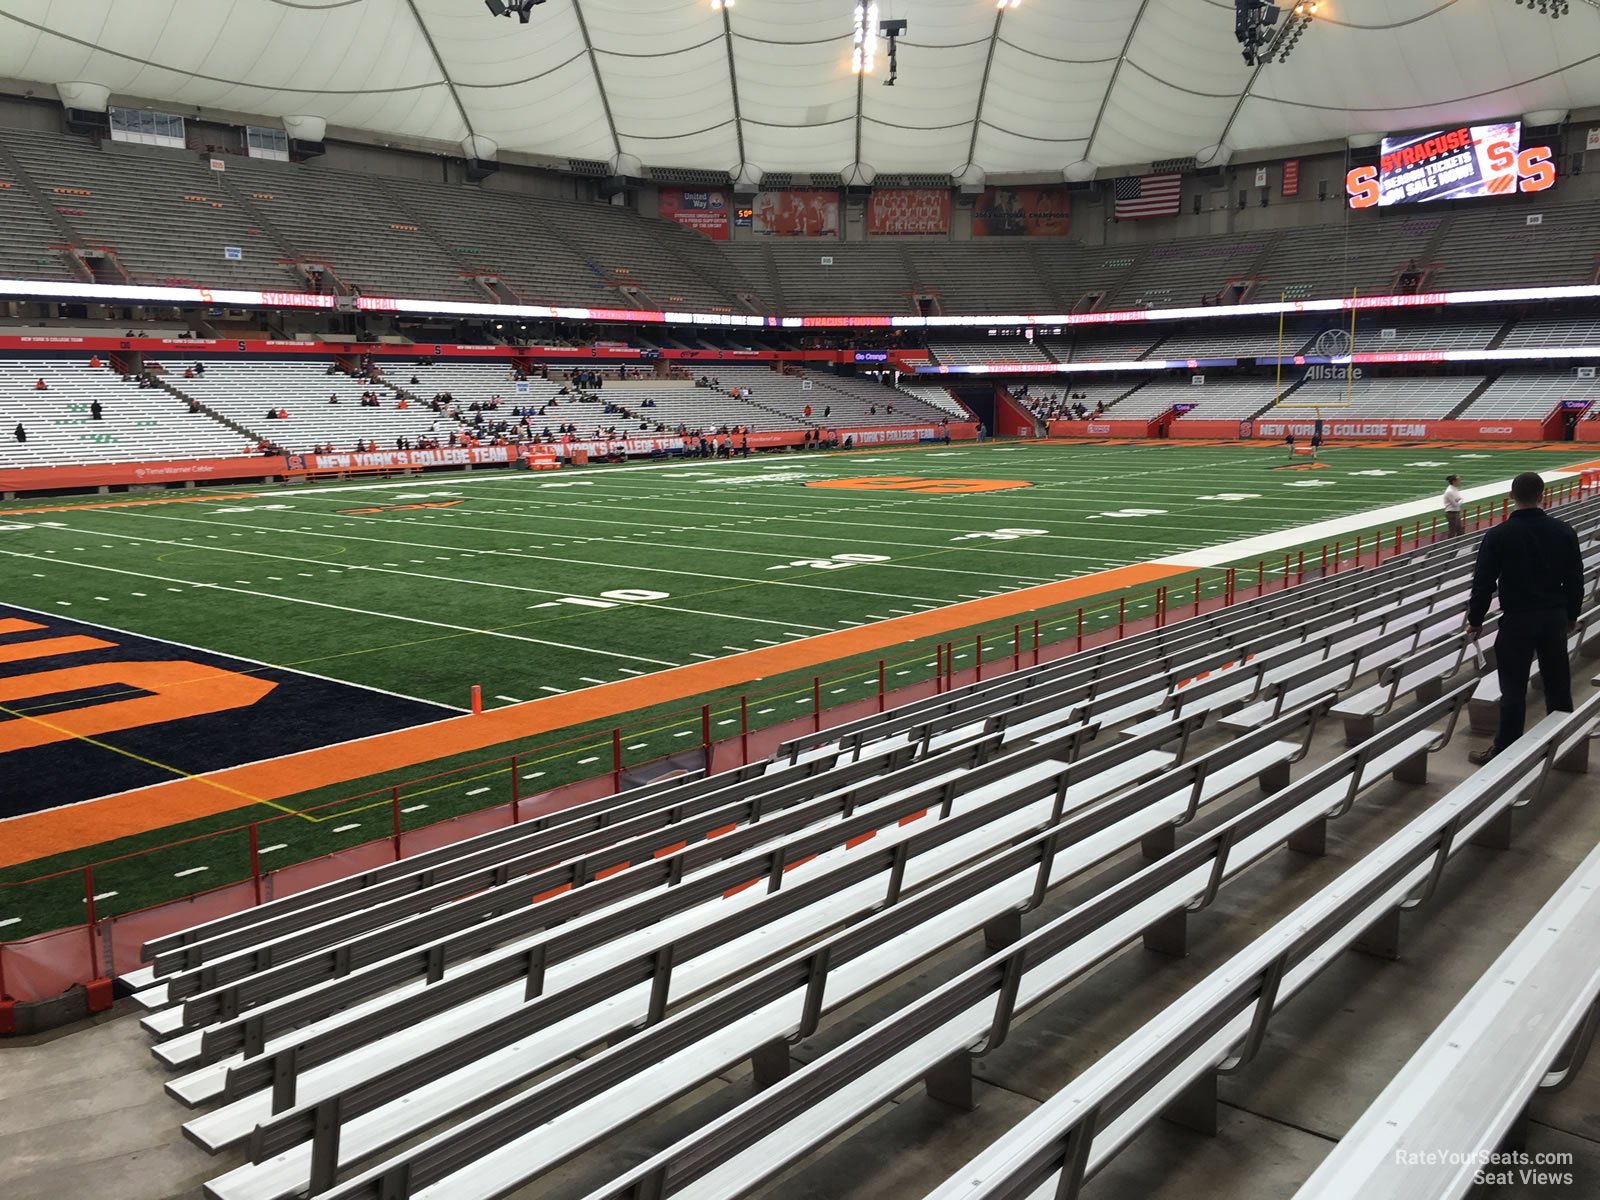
(1316, 406)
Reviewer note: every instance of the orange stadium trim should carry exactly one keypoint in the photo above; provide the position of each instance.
(917, 483)
(22, 512)
(38, 835)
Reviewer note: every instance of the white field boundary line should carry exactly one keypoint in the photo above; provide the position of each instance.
(365, 612)
(842, 459)
(949, 502)
(516, 554)
(1184, 504)
(348, 567)
(1337, 527)
(1128, 533)
(684, 464)
(366, 687)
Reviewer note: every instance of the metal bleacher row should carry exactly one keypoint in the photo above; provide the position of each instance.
(463, 1022)
(168, 218)
(154, 422)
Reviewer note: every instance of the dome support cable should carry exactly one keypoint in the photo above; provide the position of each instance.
(599, 82)
(983, 87)
(449, 83)
(1111, 83)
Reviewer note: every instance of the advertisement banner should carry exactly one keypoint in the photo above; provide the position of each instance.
(1022, 212)
(1104, 428)
(598, 447)
(380, 460)
(22, 479)
(903, 212)
(702, 210)
(796, 214)
(1467, 162)
(1291, 177)
(1516, 431)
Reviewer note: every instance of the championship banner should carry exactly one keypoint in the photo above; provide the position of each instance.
(1261, 177)
(377, 460)
(796, 214)
(903, 212)
(1022, 212)
(1291, 177)
(1591, 140)
(704, 211)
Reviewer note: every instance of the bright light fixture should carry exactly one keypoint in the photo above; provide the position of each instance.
(864, 46)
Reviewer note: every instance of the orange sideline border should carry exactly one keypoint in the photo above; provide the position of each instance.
(57, 831)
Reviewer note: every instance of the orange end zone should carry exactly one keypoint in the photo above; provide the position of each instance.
(38, 835)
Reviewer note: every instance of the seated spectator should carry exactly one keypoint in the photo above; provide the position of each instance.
(94, 360)
(199, 368)
(283, 414)
(20, 433)
(96, 412)
(333, 399)
(189, 374)
(194, 405)
(41, 386)
(403, 403)
(272, 414)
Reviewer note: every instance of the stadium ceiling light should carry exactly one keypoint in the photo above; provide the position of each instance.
(719, 5)
(891, 30)
(863, 47)
(1003, 4)
(521, 9)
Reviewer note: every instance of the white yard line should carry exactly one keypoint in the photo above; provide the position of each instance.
(366, 612)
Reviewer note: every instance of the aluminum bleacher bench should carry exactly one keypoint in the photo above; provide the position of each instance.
(1525, 1027)
(198, 940)
(936, 1038)
(1152, 681)
(580, 868)
(1257, 617)
(311, 994)
(1170, 1065)
(297, 925)
(1484, 711)
(521, 1138)
(879, 889)
(1422, 673)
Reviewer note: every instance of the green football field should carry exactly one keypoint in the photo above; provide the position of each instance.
(530, 585)
(536, 585)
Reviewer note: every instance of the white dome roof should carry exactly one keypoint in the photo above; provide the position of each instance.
(678, 84)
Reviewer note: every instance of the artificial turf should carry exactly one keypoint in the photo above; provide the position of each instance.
(535, 586)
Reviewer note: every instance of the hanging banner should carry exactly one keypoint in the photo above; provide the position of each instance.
(704, 211)
(1261, 177)
(1291, 177)
(1022, 212)
(903, 212)
(796, 214)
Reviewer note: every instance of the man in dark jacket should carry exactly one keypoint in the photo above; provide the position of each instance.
(1533, 561)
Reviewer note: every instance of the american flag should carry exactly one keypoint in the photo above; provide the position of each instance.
(1291, 177)
(1147, 196)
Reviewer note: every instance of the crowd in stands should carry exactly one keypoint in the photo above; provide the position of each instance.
(1058, 406)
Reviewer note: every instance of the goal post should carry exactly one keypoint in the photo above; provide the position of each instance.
(1338, 399)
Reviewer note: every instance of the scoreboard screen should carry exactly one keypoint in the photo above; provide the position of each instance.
(1462, 163)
